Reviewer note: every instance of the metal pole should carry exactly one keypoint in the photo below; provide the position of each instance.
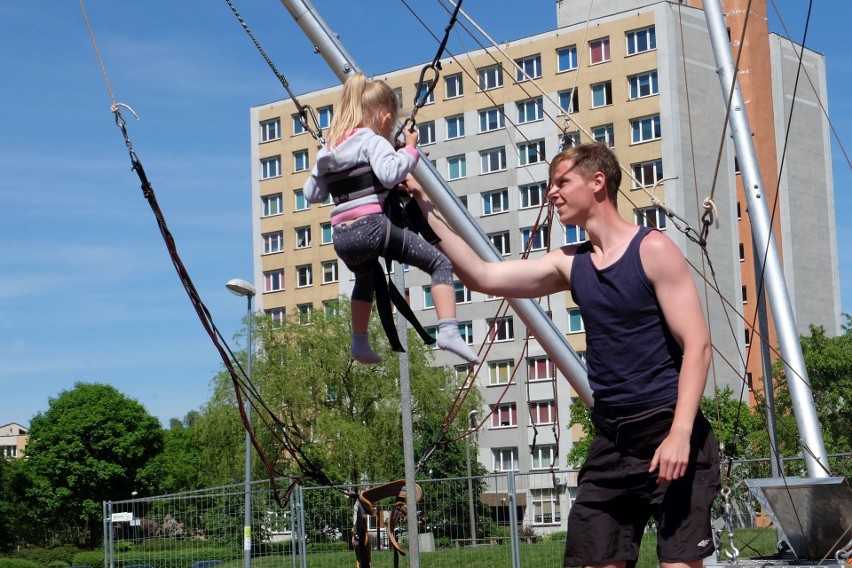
(247, 518)
(546, 333)
(816, 459)
(768, 388)
(471, 419)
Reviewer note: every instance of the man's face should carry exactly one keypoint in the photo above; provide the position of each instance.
(570, 193)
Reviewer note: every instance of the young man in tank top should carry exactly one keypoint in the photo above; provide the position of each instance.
(648, 352)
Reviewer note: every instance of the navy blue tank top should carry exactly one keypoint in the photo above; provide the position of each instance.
(633, 360)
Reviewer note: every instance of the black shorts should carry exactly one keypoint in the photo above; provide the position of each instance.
(617, 496)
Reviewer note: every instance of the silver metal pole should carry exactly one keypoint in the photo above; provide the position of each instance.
(247, 518)
(549, 337)
(816, 459)
(471, 418)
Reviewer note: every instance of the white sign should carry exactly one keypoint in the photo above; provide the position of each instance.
(121, 517)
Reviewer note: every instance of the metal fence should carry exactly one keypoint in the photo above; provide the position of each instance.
(501, 519)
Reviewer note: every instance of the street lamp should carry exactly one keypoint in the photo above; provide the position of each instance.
(240, 287)
(471, 418)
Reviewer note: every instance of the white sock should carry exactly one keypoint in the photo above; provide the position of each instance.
(361, 350)
(450, 340)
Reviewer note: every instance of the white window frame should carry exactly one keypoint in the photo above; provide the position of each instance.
(500, 372)
(466, 331)
(542, 412)
(299, 201)
(495, 201)
(533, 368)
(421, 89)
(273, 280)
(531, 152)
(650, 217)
(270, 130)
(603, 88)
(487, 159)
(489, 116)
(458, 82)
(462, 292)
(428, 299)
(643, 85)
(539, 237)
(545, 500)
(605, 134)
(306, 313)
(460, 162)
(272, 205)
(298, 127)
(490, 77)
(324, 116)
(504, 416)
(530, 110)
(458, 122)
(574, 315)
(330, 272)
(303, 237)
(571, 52)
(528, 68)
(646, 174)
(505, 459)
(501, 242)
(426, 131)
(573, 98)
(635, 41)
(606, 52)
(278, 315)
(270, 167)
(575, 234)
(532, 194)
(504, 332)
(273, 242)
(638, 125)
(301, 161)
(326, 233)
(304, 276)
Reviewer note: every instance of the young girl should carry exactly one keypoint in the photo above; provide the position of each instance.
(357, 166)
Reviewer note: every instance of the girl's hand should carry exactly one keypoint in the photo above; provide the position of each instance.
(411, 136)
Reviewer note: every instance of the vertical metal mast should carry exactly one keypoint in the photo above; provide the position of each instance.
(815, 456)
(546, 333)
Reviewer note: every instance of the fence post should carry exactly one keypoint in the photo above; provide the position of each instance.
(303, 538)
(513, 520)
(107, 511)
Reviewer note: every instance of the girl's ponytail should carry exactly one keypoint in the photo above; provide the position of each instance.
(349, 113)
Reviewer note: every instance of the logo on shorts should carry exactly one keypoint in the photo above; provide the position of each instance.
(704, 543)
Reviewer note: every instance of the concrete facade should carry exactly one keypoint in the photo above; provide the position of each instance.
(13, 440)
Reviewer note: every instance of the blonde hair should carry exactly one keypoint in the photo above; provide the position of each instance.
(362, 105)
(588, 160)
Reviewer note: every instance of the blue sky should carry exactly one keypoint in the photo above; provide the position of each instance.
(87, 291)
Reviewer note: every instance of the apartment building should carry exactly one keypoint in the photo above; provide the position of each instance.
(13, 440)
(637, 76)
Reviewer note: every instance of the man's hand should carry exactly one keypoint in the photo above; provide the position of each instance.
(672, 457)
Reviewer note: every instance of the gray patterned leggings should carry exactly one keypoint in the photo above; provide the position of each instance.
(357, 244)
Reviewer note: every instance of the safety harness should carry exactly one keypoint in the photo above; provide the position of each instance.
(360, 538)
(403, 213)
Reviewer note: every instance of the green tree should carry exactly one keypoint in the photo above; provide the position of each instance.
(86, 448)
(178, 467)
(828, 361)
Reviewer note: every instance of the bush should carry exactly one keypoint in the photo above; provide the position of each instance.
(90, 558)
(558, 535)
(45, 557)
(443, 542)
(57, 564)
(18, 563)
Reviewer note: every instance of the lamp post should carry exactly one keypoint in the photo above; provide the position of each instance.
(243, 288)
(471, 418)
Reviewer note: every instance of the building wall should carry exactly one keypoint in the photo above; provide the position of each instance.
(13, 440)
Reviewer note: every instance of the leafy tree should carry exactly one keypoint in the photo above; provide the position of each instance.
(828, 361)
(86, 448)
(178, 466)
(580, 414)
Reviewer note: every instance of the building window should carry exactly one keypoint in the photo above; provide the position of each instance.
(570, 139)
(432, 331)
(278, 315)
(641, 40)
(303, 237)
(739, 212)
(602, 94)
(271, 205)
(566, 58)
(501, 242)
(326, 234)
(298, 127)
(425, 93)
(462, 293)
(574, 234)
(270, 130)
(300, 161)
(569, 101)
(455, 127)
(646, 174)
(542, 413)
(540, 369)
(306, 312)
(646, 129)
(643, 85)
(604, 134)
(273, 242)
(466, 331)
(331, 308)
(428, 301)
(456, 167)
(747, 337)
(273, 281)
(745, 294)
(490, 77)
(493, 160)
(528, 68)
(270, 167)
(329, 272)
(324, 116)
(575, 321)
(544, 456)
(650, 217)
(299, 201)
(491, 119)
(505, 459)
(500, 372)
(427, 133)
(530, 152)
(397, 92)
(496, 201)
(545, 502)
(304, 276)
(532, 195)
(742, 252)
(454, 86)
(530, 110)
(539, 237)
(501, 329)
(599, 51)
(504, 415)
